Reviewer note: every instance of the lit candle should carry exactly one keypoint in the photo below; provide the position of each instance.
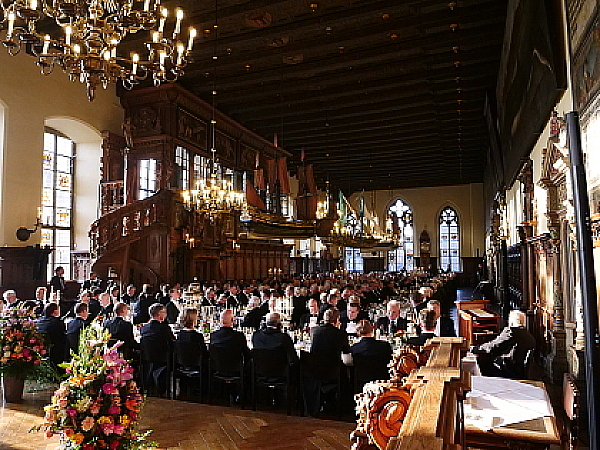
(11, 24)
(76, 49)
(136, 58)
(68, 31)
(114, 53)
(33, 4)
(155, 36)
(146, 5)
(46, 45)
(191, 40)
(106, 55)
(161, 57)
(180, 50)
(179, 15)
(161, 25)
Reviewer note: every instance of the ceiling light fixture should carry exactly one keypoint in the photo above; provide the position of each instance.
(84, 39)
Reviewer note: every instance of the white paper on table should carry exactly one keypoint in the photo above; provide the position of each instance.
(495, 402)
(312, 322)
(351, 328)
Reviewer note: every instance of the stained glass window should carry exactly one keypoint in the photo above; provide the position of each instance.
(449, 240)
(402, 257)
(57, 199)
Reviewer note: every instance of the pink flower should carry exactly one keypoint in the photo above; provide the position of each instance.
(114, 445)
(119, 429)
(109, 388)
(37, 362)
(108, 428)
(114, 410)
(88, 447)
(71, 412)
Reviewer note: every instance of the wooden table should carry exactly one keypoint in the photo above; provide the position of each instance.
(537, 433)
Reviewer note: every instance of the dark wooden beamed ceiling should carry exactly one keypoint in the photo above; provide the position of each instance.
(379, 94)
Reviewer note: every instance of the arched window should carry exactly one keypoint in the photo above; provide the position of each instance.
(402, 257)
(449, 240)
(57, 199)
(352, 256)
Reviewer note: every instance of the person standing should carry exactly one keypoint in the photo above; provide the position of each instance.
(57, 282)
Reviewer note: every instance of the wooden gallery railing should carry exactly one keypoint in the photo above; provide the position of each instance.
(131, 222)
(420, 407)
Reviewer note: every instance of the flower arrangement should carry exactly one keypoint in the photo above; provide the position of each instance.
(99, 403)
(22, 348)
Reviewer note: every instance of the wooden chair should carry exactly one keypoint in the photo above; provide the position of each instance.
(571, 403)
(320, 376)
(156, 373)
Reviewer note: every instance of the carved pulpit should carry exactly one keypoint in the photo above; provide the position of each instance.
(420, 407)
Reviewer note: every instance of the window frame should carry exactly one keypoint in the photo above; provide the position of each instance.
(446, 227)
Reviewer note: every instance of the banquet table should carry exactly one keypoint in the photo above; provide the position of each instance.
(501, 413)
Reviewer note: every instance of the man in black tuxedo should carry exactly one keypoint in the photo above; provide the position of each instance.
(156, 343)
(259, 310)
(142, 306)
(298, 305)
(129, 296)
(106, 310)
(57, 282)
(333, 299)
(311, 318)
(92, 283)
(227, 339)
(370, 356)
(392, 322)
(76, 325)
(350, 318)
(122, 330)
(506, 355)
(239, 298)
(271, 338)
(444, 325)
(55, 333)
(427, 320)
(327, 339)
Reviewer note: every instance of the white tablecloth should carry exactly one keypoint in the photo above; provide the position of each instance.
(495, 402)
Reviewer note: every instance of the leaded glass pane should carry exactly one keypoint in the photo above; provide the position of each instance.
(64, 146)
(402, 257)
(63, 164)
(63, 217)
(449, 233)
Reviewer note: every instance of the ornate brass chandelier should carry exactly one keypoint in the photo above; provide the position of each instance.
(85, 38)
(214, 196)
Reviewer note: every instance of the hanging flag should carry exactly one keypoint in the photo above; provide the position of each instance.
(301, 181)
(302, 155)
(311, 186)
(271, 173)
(259, 180)
(253, 198)
(283, 176)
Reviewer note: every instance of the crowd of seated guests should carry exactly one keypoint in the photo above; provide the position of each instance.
(332, 307)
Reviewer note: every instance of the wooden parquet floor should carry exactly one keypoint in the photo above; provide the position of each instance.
(189, 426)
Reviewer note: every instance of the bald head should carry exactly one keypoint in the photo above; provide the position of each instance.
(227, 318)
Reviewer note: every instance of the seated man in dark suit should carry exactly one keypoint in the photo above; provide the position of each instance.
(427, 320)
(270, 338)
(122, 330)
(129, 296)
(55, 333)
(370, 356)
(227, 339)
(350, 318)
(157, 347)
(106, 307)
(392, 322)
(506, 355)
(142, 306)
(333, 298)
(76, 325)
(327, 339)
(311, 318)
(444, 325)
(259, 310)
(92, 283)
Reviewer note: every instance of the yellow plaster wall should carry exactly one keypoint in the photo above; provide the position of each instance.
(29, 100)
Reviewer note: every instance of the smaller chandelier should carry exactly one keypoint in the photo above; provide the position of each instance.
(88, 39)
(214, 197)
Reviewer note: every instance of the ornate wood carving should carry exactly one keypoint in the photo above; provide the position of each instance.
(192, 130)
(419, 402)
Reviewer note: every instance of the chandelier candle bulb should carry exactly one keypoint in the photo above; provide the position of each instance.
(68, 31)
(136, 59)
(161, 57)
(179, 15)
(146, 5)
(33, 4)
(161, 25)
(76, 49)
(180, 50)
(191, 40)
(46, 45)
(11, 24)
